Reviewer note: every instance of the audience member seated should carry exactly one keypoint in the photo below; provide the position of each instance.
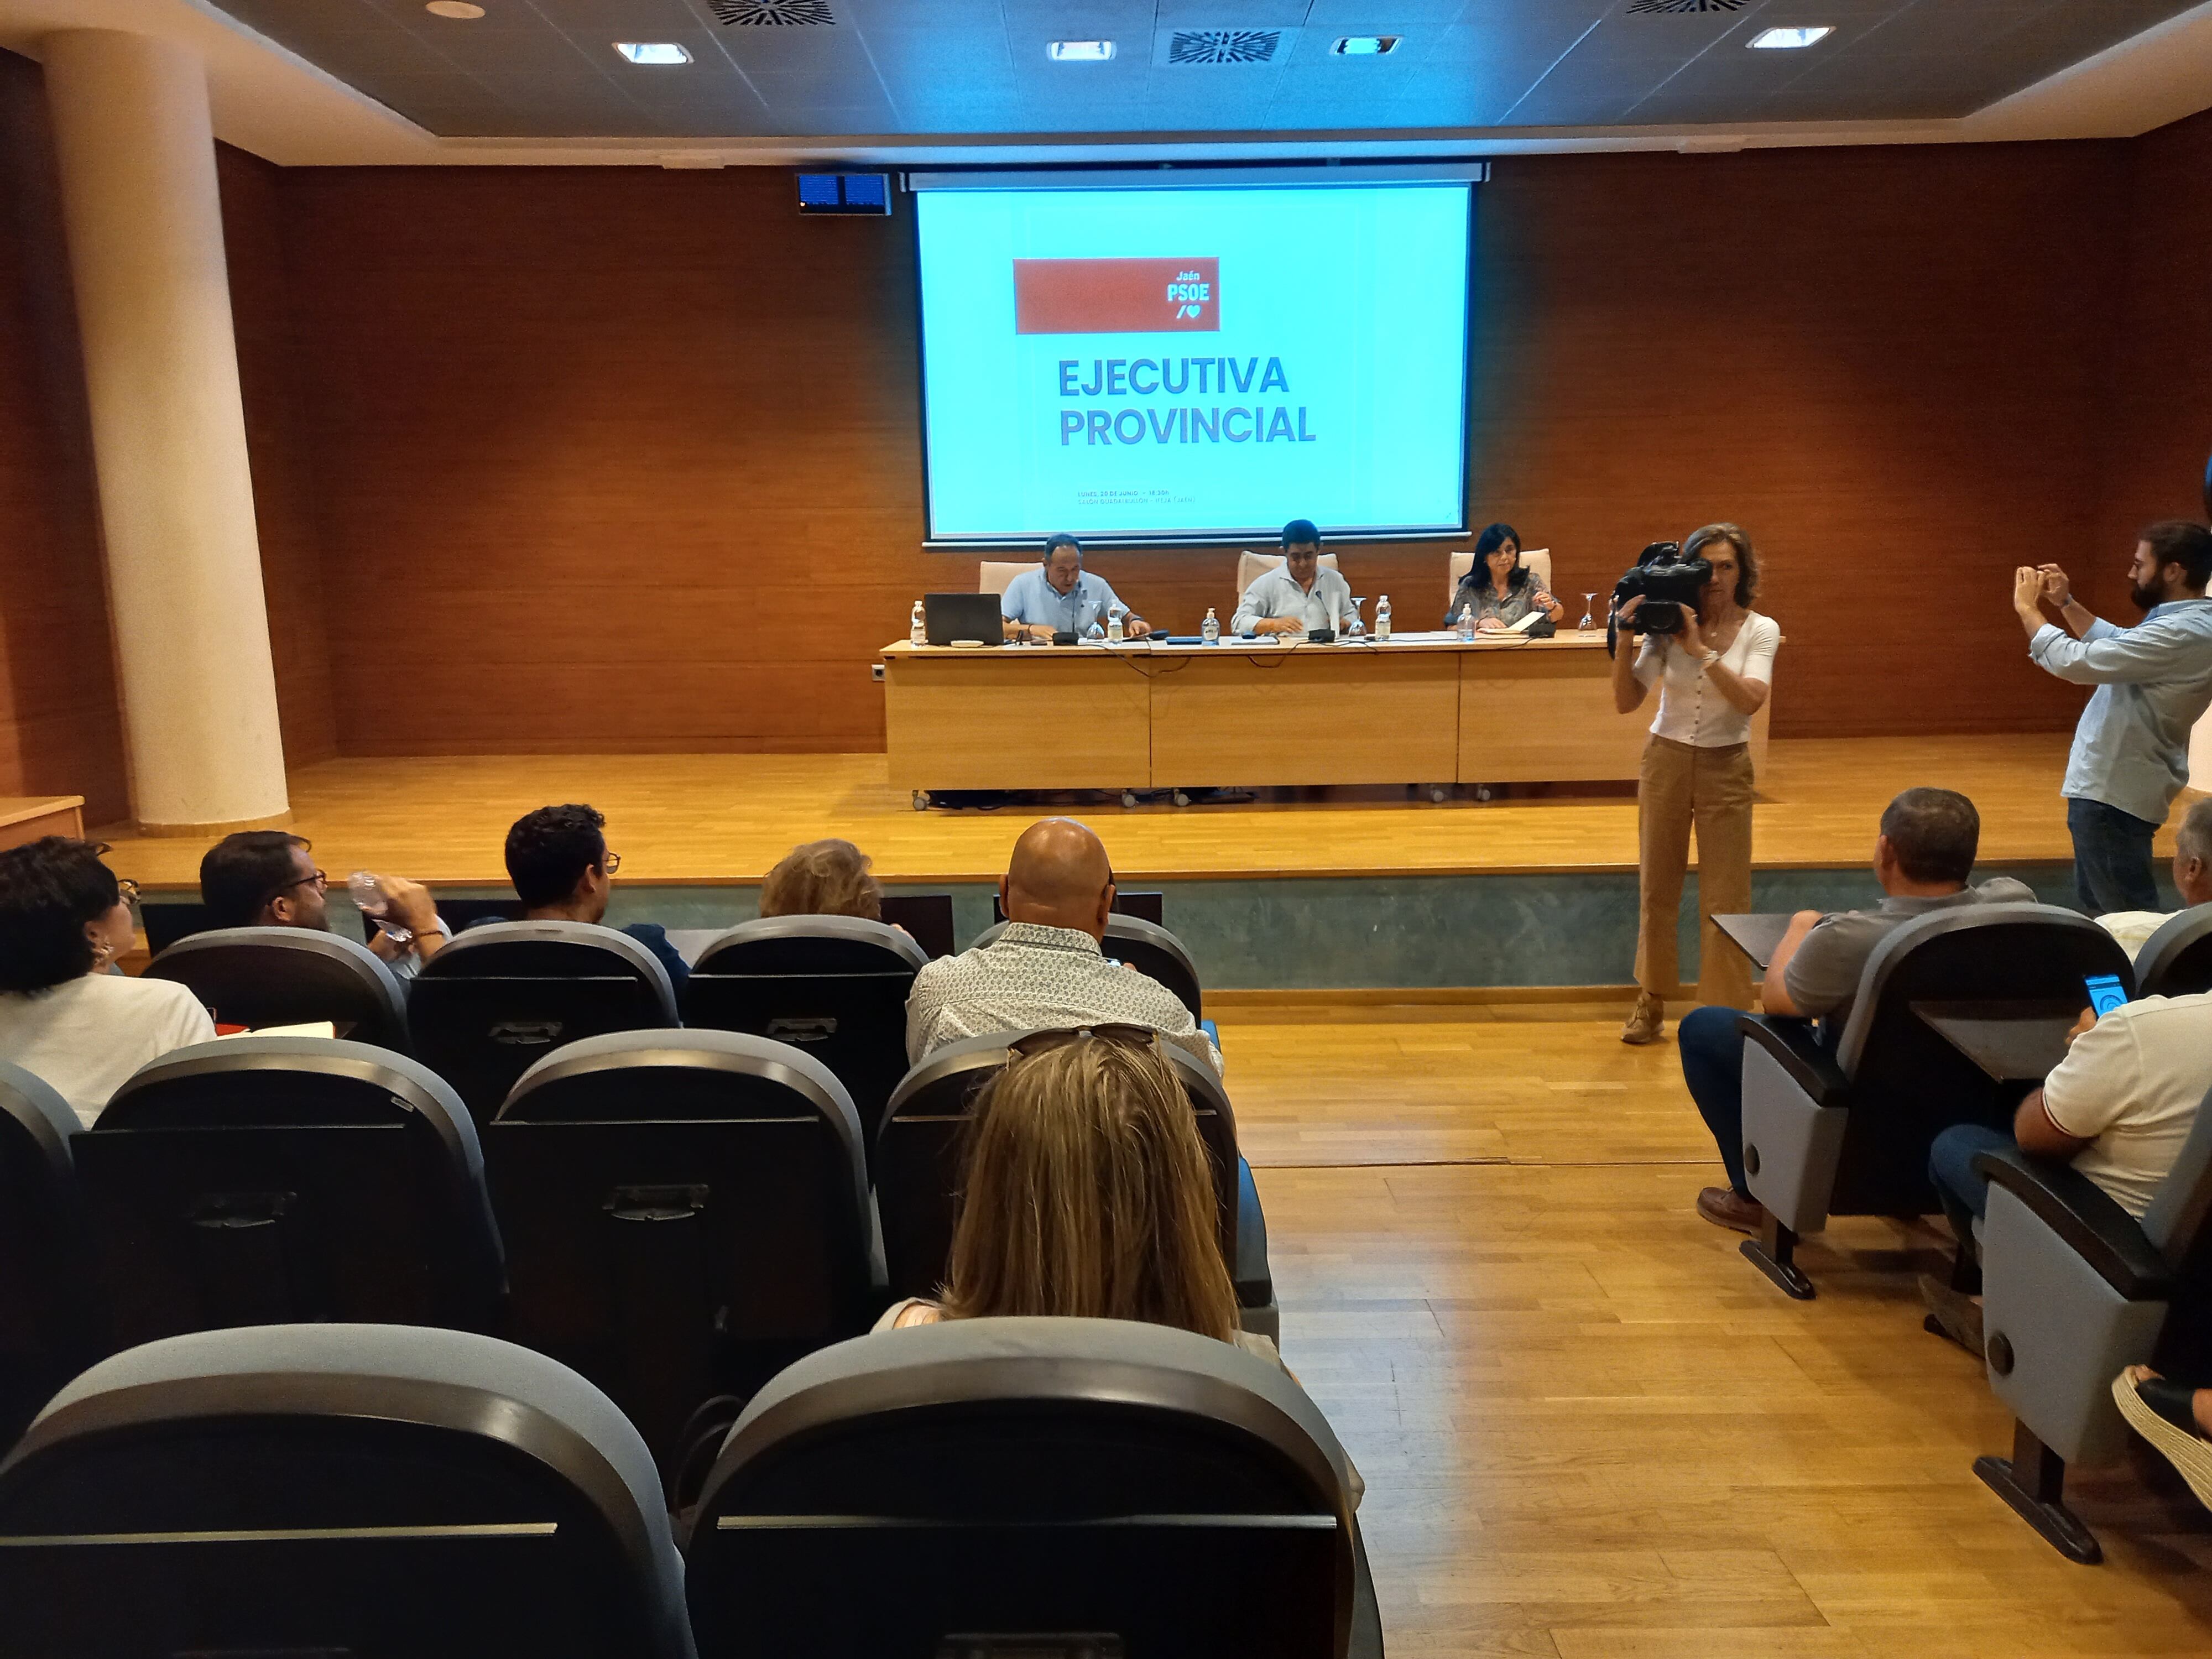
(1045, 969)
(1921, 858)
(822, 879)
(2119, 1107)
(1499, 589)
(2177, 1420)
(558, 860)
(264, 878)
(1087, 1195)
(66, 1014)
(2192, 877)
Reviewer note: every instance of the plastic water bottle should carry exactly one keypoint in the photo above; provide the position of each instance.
(1209, 631)
(1467, 621)
(1383, 620)
(917, 630)
(1113, 634)
(368, 899)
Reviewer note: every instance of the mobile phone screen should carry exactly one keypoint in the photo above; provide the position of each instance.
(2105, 992)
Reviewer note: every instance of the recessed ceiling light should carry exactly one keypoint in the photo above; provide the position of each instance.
(460, 10)
(1079, 52)
(1787, 39)
(653, 51)
(1365, 46)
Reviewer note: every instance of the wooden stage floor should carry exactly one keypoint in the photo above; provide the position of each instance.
(709, 819)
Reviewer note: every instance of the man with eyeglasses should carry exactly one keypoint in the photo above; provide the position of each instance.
(1046, 969)
(265, 879)
(558, 860)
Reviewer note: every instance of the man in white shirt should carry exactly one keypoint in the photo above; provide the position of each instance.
(2119, 1107)
(1297, 596)
(2193, 878)
(1047, 971)
(265, 879)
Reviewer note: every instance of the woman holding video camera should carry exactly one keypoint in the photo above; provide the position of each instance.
(1713, 666)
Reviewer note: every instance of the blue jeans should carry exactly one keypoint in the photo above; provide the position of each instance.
(1965, 1191)
(2112, 868)
(1712, 1067)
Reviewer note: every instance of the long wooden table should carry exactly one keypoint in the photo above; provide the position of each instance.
(1426, 709)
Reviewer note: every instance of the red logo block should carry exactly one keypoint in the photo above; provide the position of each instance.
(1117, 296)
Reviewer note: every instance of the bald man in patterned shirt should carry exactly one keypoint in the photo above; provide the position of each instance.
(1046, 971)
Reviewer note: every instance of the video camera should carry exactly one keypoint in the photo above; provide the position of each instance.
(1665, 582)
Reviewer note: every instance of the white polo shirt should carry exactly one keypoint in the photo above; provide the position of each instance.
(2131, 1085)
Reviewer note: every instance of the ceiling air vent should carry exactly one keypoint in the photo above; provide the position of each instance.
(1223, 46)
(1685, 6)
(773, 12)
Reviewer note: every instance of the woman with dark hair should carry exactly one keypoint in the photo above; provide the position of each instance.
(65, 1015)
(1500, 590)
(1713, 677)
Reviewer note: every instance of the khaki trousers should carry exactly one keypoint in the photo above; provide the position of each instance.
(1681, 789)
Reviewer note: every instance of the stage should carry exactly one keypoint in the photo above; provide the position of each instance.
(1375, 890)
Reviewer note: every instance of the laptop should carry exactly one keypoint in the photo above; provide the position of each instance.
(953, 617)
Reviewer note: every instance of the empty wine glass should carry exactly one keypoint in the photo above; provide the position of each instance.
(1355, 628)
(1589, 617)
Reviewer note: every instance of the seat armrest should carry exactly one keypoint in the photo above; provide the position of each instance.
(2087, 1219)
(1255, 1284)
(1799, 1053)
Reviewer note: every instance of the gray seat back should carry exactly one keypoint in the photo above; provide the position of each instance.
(336, 1488)
(2177, 960)
(290, 976)
(50, 1322)
(1126, 1479)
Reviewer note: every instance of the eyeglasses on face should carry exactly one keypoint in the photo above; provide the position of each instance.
(126, 890)
(611, 863)
(320, 882)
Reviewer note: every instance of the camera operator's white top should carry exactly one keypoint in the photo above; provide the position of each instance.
(1693, 711)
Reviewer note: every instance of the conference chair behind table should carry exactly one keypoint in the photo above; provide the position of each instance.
(263, 1179)
(2177, 960)
(918, 1171)
(2074, 1290)
(835, 986)
(684, 1213)
(1160, 1492)
(1845, 1130)
(502, 997)
(335, 1489)
(51, 1325)
(1146, 946)
(257, 976)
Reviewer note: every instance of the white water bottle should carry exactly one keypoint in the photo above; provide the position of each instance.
(917, 630)
(1383, 620)
(368, 898)
(1467, 621)
(1209, 631)
(1113, 634)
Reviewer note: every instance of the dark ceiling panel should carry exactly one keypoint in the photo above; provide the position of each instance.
(548, 69)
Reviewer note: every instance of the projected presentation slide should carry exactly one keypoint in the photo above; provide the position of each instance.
(1196, 363)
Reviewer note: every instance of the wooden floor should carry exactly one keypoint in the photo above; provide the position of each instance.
(1590, 1429)
(700, 819)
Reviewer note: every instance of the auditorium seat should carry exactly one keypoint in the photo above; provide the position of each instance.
(2074, 1289)
(257, 1180)
(1537, 560)
(50, 1326)
(927, 917)
(260, 977)
(502, 997)
(684, 1213)
(1145, 947)
(835, 987)
(328, 1490)
(1251, 566)
(2177, 960)
(1165, 1494)
(1845, 1130)
(167, 920)
(918, 1171)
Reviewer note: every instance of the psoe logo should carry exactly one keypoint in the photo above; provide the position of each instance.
(1117, 296)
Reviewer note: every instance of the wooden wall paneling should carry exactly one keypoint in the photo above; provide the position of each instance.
(284, 497)
(60, 733)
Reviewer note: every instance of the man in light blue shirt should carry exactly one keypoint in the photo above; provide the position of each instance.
(1297, 595)
(1059, 596)
(2131, 755)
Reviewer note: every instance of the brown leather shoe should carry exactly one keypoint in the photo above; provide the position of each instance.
(1724, 1206)
(1645, 1020)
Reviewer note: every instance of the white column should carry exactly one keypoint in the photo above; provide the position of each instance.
(136, 157)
